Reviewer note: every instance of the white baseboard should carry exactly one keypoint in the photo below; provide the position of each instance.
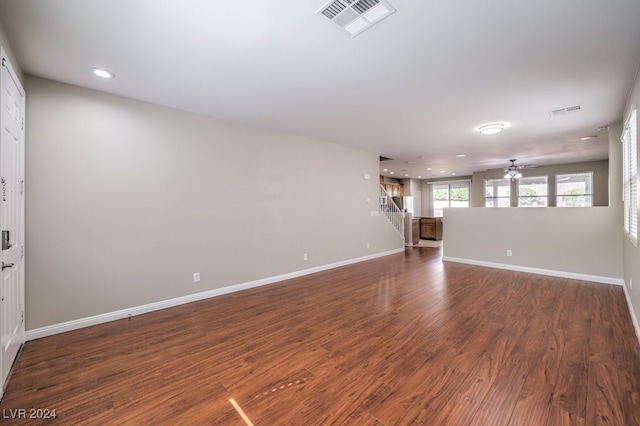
(634, 318)
(539, 271)
(50, 330)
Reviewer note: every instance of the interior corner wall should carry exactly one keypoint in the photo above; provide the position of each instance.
(409, 186)
(125, 201)
(615, 194)
(426, 198)
(4, 42)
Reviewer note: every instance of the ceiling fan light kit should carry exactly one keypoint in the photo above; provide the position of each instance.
(513, 174)
(513, 171)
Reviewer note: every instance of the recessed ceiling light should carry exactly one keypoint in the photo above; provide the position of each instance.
(586, 138)
(491, 129)
(428, 168)
(441, 171)
(419, 177)
(453, 174)
(461, 155)
(102, 73)
(406, 174)
(390, 173)
(385, 170)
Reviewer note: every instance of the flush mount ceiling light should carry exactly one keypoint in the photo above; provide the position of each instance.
(102, 73)
(491, 129)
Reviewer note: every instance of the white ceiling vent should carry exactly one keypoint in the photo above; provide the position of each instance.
(563, 111)
(356, 16)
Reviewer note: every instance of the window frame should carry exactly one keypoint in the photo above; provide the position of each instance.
(629, 139)
(586, 194)
(522, 197)
(449, 184)
(496, 198)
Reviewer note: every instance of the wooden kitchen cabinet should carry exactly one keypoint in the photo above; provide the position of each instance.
(394, 189)
(415, 231)
(431, 228)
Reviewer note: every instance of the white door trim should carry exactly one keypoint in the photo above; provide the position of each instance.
(13, 296)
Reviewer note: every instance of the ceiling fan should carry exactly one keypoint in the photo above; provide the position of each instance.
(513, 171)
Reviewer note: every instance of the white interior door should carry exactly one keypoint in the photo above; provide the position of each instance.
(12, 102)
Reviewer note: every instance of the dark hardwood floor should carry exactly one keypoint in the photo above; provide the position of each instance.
(405, 339)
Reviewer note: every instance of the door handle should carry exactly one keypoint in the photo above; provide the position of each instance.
(6, 265)
(6, 243)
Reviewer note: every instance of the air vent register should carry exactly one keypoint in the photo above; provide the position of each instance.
(356, 16)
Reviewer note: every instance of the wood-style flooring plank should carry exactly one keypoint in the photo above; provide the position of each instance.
(404, 339)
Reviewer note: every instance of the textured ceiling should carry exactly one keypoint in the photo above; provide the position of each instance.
(414, 87)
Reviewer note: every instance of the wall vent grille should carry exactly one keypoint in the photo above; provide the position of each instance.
(355, 16)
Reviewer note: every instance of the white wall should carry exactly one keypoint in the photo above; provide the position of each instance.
(126, 200)
(412, 188)
(631, 251)
(582, 241)
(4, 43)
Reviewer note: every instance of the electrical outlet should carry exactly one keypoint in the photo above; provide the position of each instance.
(196, 277)
(509, 253)
(305, 257)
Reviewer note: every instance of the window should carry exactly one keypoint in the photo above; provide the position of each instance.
(532, 191)
(630, 176)
(574, 190)
(454, 194)
(497, 193)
